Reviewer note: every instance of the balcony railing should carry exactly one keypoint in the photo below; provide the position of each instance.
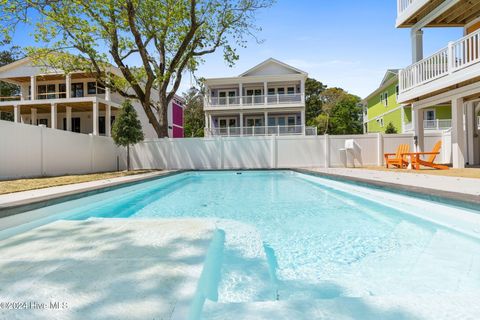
(403, 5)
(457, 56)
(261, 131)
(438, 124)
(255, 100)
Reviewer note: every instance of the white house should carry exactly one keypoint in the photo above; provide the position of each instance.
(268, 99)
(451, 76)
(72, 102)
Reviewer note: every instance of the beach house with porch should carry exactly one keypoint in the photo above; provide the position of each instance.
(381, 108)
(73, 102)
(268, 99)
(451, 76)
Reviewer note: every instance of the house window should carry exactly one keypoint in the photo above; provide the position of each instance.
(91, 87)
(397, 92)
(43, 121)
(42, 91)
(271, 91)
(380, 122)
(384, 98)
(77, 89)
(281, 90)
(62, 89)
(290, 90)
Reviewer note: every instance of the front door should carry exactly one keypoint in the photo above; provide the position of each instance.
(227, 97)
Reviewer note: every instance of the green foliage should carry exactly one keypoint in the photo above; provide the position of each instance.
(340, 113)
(194, 117)
(8, 89)
(167, 37)
(390, 129)
(127, 129)
(313, 101)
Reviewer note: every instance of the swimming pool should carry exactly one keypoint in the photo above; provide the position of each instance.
(329, 238)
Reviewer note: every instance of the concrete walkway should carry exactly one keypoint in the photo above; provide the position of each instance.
(104, 269)
(466, 186)
(31, 196)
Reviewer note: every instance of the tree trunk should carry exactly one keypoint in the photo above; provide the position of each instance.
(128, 157)
(163, 116)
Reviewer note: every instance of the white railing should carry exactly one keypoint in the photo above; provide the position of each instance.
(255, 100)
(438, 124)
(458, 55)
(402, 5)
(261, 131)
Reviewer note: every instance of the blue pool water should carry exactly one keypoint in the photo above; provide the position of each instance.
(330, 239)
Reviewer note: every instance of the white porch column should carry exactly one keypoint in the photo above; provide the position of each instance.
(302, 90)
(68, 120)
(265, 89)
(95, 118)
(302, 121)
(265, 114)
(417, 120)
(33, 116)
(240, 93)
(24, 92)
(458, 135)
(471, 130)
(241, 123)
(53, 115)
(417, 45)
(68, 86)
(16, 113)
(33, 87)
(108, 121)
(210, 122)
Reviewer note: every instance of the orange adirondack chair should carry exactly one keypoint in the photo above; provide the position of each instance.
(399, 160)
(417, 160)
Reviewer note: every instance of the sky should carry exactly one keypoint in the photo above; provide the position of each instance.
(342, 43)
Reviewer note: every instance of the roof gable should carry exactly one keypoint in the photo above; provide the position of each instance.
(389, 75)
(271, 67)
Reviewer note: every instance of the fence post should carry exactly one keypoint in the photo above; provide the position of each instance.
(326, 151)
(42, 150)
(273, 151)
(379, 149)
(91, 142)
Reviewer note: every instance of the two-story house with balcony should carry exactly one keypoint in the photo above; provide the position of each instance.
(381, 107)
(451, 76)
(268, 99)
(72, 102)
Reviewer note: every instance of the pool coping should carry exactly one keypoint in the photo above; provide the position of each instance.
(443, 196)
(28, 202)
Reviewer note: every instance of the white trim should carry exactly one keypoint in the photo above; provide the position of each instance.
(269, 60)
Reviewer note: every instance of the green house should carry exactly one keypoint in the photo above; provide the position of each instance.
(381, 108)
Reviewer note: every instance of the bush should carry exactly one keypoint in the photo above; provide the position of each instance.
(390, 128)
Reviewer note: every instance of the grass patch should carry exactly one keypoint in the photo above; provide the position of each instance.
(18, 185)
(460, 173)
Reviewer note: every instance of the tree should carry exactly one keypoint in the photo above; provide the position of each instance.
(313, 101)
(168, 37)
(127, 129)
(390, 129)
(340, 113)
(8, 89)
(194, 117)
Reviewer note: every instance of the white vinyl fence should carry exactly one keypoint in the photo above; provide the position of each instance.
(274, 151)
(32, 151)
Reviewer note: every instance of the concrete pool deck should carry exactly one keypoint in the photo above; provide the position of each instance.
(455, 188)
(104, 269)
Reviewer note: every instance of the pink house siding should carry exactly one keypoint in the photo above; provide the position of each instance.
(177, 120)
(177, 132)
(177, 114)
